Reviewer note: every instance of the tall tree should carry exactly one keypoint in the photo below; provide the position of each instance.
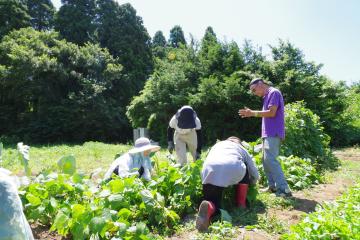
(211, 53)
(75, 21)
(300, 80)
(168, 87)
(234, 60)
(159, 40)
(53, 90)
(159, 45)
(176, 37)
(122, 32)
(42, 14)
(13, 15)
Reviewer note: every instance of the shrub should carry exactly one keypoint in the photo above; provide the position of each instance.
(306, 138)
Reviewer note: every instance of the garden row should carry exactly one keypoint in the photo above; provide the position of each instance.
(334, 220)
(73, 204)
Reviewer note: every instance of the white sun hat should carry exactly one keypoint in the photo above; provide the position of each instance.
(143, 144)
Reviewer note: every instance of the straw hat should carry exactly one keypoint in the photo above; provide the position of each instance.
(143, 144)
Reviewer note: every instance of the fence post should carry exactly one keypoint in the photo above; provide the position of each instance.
(140, 132)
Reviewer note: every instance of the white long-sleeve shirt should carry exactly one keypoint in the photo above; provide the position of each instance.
(128, 165)
(226, 165)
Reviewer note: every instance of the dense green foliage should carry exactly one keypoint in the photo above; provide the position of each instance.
(42, 14)
(177, 37)
(13, 15)
(75, 205)
(217, 76)
(122, 32)
(337, 220)
(75, 21)
(159, 76)
(352, 113)
(305, 137)
(56, 91)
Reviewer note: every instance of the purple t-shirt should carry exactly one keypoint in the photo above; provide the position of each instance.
(273, 126)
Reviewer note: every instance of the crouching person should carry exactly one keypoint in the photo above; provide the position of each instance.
(13, 223)
(134, 162)
(228, 163)
(184, 134)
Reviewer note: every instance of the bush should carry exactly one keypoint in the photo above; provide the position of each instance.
(305, 137)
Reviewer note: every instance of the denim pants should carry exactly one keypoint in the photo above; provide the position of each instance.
(272, 167)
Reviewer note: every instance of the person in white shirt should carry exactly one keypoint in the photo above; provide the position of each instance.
(13, 223)
(134, 162)
(227, 164)
(184, 132)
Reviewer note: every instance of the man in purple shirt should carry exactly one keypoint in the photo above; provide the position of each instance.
(272, 132)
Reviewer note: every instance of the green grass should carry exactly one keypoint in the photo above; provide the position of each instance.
(89, 156)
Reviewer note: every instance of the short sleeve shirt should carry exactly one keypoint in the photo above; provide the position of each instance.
(273, 126)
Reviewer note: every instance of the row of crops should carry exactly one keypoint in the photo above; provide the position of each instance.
(334, 220)
(75, 205)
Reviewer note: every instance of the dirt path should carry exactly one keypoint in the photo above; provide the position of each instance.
(306, 200)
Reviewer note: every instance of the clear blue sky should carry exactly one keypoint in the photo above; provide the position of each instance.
(327, 31)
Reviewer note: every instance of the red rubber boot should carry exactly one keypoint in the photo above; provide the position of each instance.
(241, 193)
(206, 210)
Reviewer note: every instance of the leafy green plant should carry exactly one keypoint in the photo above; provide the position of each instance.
(300, 173)
(337, 220)
(218, 230)
(73, 204)
(305, 137)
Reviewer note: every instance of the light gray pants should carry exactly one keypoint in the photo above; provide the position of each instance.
(272, 167)
(184, 142)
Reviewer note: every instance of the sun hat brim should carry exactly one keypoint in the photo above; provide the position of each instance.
(153, 148)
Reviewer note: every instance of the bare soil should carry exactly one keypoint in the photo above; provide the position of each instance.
(42, 232)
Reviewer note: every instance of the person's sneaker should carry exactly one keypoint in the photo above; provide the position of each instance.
(203, 219)
(269, 190)
(283, 193)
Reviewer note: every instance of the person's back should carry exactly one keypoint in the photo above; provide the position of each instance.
(227, 163)
(184, 132)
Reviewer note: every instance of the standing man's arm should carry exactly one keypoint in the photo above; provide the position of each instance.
(247, 112)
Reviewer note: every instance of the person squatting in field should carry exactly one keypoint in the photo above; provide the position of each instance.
(134, 162)
(184, 132)
(272, 132)
(228, 163)
(13, 223)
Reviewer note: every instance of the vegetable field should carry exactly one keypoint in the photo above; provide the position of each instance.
(79, 205)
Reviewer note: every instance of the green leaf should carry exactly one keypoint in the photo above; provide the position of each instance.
(67, 165)
(124, 213)
(147, 197)
(117, 201)
(225, 216)
(97, 224)
(34, 200)
(117, 185)
(61, 223)
(77, 210)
